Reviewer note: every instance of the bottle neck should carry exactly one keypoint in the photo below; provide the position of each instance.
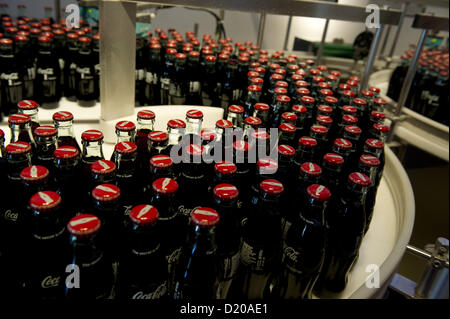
(33, 114)
(21, 132)
(47, 225)
(65, 129)
(175, 135)
(93, 149)
(145, 124)
(45, 146)
(167, 206)
(193, 126)
(125, 136)
(203, 240)
(67, 165)
(143, 240)
(314, 212)
(125, 164)
(86, 249)
(16, 163)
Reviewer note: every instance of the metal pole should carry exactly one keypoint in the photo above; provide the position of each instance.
(58, 10)
(407, 83)
(322, 42)
(399, 27)
(371, 58)
(287, 33)
(386, 36)
(419, 252)
(262, 22)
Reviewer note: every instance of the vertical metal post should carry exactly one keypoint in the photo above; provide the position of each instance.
(399, 27)
(371, 58)
(322, 42)
(117, 58)
(407, 83)
(58, 10)
(386, 37)
(262, 22)
(286, 39)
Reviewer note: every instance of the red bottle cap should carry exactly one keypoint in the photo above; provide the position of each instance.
(318, 129)
(27, 105)
(377, 115)
(349, 119)
(380, 101)
(318, 79)
(106, 192)
(261, 107)
(125, 147)
(19, 119)
(194, 54)
(289, 117)
(324, 120)
(331, 100)
(62, 116)
(260, 135)
(44, 201)
(225, 192)
(299, 109)
(314, 72)
(333, 159)
(274, 66)
(307, 100)
(165, 185)
(103, 167)
(194, 114)
(225, 168)
(307, 141)
(45, 131)
(367, 93)
(349, 93)
(18, 148)
(146, 115)
(254, 88)
(125, 126)
(318, 192)
(65, 152)
(325, 109)
(276, 77)
(287, 128)
(349, 109)
(331, 77)
(176, 123)
(343, 143)
(374, 89)
(252, 74)
(257, 81)
(360, 102)
(45, 39)
(267, 166)
(253, 121)
(355, 78)
(223, 124)
(374, 143)
(180, 56)
(2, 134)
(280, 91)
(271, 187)
(210, 58)
(325, 89)
(353, 129)
(144, 215)
(204, 217)
(236, 109)
(208, 135)
(194, 149)
(281, 84)
(345, 87)
(359, 179)
(369, 160)
(286, 150)
(301, 84)
(161, 161)
(84, 225)
(242, 146)
(92, 135)
(310, 168)
(352, 83)
(158, 136)
(309, 62)
(381, 128)
(34, 173)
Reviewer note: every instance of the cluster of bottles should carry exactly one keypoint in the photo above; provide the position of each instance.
(429, 90)
(146, 225)
(42, 61)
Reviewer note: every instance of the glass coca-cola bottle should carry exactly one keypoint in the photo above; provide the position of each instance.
(194, 120)
(11, 78)
(86, 92)
(172, 224)
(139, 72)
(47, 85)
(68, 178)
(25, 56)
(48, 249)
(20, 128)
(252, 97)
(92, 150)
(96, 277)
(304, 248)
(45, 137)
(301, 113)
(333, 170)
(31, 109)
(306, 151)
(262, 111)
(178, 82)
(320, 134)
(369, 165)
(196, 272)
(346, 221)
(228, 236)
(167, 74)
(251, 124)
(143, 272)
(63, 121)
(176, 129)
(125, 156)
(145, 125)
(70, 65)
(235, 115)
(260, 250)
(282, 105)
(376, 148)
(353, 133)
(153, 75)
(210, 78)
(194, 77)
